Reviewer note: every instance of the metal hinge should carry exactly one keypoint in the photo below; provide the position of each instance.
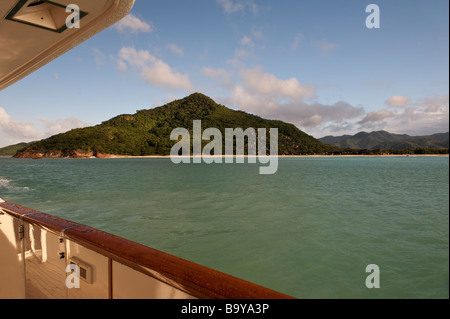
(21, 232)
(62, 248)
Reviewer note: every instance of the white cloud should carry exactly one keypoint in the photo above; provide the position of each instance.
(417, 122)
(133, 24)
(258, 82)
(99, 57)
(326, 47)
(154, 70)
(175, 49)
(136, 58)
(304, 115)
(12, 131)
(434, 104)
(427, 116)
(240, 54)
(216, 72)
(247, 41)
(160, 74)
(258, 34)
(377, 116)
(247, 46)
(264, 94)
(229, 6)
(224, 77)
(16, 131)
(53, 127)
(259, 92)
(242, 6)
(296, 42)
(398, 101)
(121, 66)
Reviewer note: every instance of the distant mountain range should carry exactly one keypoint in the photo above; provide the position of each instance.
(147, 132)
(385, 140)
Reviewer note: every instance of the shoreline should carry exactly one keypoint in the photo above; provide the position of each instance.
(234, 156)
(280, 156)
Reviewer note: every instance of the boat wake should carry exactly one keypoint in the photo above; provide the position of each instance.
(8, 185)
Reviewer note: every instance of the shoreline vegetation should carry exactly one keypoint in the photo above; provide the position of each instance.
(148, 134)
(284, 156)
(335, 153)
(245, 156)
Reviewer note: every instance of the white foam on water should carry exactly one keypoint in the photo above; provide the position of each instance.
(6, 184)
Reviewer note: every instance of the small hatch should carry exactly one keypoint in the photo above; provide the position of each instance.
(84, 269)
(43, 14)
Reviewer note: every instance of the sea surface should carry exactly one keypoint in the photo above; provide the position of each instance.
(309, 231)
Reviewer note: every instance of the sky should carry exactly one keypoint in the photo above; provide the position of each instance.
(314, 64)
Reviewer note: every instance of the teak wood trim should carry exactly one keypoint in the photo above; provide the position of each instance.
(194, 279)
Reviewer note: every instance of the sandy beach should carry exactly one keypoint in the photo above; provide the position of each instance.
(283, 156)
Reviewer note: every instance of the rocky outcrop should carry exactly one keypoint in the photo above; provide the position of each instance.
(59, 154)
(29, 154)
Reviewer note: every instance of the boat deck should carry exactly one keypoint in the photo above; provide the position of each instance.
(36, 249)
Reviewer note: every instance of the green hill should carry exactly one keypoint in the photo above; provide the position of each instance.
(386, 140)
(147, 132)
(12, 149)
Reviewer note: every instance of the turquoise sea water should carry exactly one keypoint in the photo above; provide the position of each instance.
(308, 231)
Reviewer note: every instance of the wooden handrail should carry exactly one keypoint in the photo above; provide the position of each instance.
(194, 279)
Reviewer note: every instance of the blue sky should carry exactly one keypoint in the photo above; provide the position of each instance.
(311, 63)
